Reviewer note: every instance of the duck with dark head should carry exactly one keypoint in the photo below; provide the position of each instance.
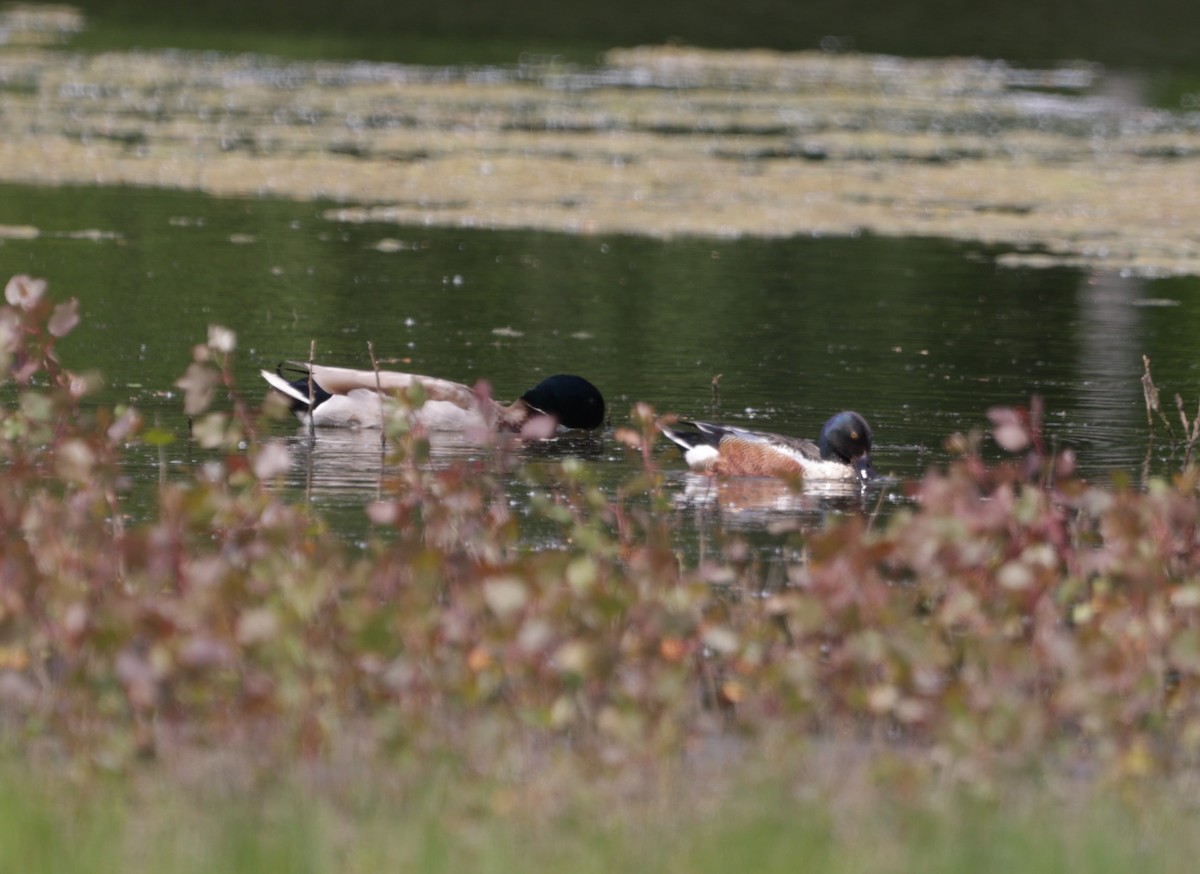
(348, 398)
(843, 450)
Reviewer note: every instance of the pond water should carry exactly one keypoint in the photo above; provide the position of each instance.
(807, 227)
(920, 335)
(1152, 34)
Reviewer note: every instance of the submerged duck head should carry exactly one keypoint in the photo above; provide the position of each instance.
(847, 437)
(571, 400)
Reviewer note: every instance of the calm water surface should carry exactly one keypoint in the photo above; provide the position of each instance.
(1151, 34)
(920, 335)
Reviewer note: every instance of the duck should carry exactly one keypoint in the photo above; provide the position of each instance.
(348, 398)
(843, 451)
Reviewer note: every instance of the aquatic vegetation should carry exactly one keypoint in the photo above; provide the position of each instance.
(1066, 165)
(1010, 615)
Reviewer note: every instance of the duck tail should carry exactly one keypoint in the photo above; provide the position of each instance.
(685, 440)
(699, 443)
(296, 389)
(696, 434)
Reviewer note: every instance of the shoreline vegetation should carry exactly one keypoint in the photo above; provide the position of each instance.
(1012, 621)
(1063, 166)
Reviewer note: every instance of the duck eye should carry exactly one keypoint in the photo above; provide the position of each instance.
(853, 435)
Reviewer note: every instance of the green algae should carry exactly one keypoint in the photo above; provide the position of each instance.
(1063, 166)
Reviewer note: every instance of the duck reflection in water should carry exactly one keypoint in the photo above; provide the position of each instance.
(344, 466)
(754, 501)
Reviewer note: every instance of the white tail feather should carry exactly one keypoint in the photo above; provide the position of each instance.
(677, 438)
(280, 384)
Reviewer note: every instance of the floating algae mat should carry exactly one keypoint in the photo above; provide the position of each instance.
(1064, 166)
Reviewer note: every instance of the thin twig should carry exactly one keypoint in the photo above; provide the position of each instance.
(162, 453)
(308, 476)
(1195, 435)
(312, 395)
(1150, 394)
(379, 392)
(118, 527)
(1191, 430)
(878, 506)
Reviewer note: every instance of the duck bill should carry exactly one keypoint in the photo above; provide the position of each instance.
(863, 467)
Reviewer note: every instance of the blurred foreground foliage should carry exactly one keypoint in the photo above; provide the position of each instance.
(1011, 614)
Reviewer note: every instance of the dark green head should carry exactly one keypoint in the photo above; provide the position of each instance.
(847, 437)
(571, 400)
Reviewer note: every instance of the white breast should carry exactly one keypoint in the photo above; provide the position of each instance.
(820, 469)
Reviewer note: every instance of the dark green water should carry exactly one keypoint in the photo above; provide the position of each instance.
(1148, 35)
(920, 335)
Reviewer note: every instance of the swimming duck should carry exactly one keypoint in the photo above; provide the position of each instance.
(348, 398)
(842, 452)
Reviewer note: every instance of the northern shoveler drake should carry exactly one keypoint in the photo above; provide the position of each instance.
(842, 452)
(348, 398)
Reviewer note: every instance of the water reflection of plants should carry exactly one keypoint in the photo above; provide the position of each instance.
(1012, 613)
